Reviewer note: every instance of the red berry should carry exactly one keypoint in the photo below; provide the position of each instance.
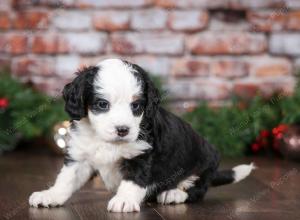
(265, 133)
(3, 103)
(255, 147)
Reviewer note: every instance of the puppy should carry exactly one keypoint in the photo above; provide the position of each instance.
(141, 151)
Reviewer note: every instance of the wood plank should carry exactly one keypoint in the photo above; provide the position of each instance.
(255, 198)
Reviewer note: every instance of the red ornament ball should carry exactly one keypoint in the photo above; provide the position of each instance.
(289, 144)
(255, 147)
(4, 103)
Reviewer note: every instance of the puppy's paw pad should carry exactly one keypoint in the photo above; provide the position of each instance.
(172, 196)
(45, 198)
(122, 204)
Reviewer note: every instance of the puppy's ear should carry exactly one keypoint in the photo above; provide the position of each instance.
(153, 97)
(151, 92)
(77, 93)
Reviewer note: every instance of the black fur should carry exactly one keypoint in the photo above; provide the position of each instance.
(78, 93)
(177, 153)
(223, 177)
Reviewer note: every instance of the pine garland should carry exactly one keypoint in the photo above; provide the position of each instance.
(29, 114)
(233, 128)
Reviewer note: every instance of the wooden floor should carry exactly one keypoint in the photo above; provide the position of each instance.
(272, 192)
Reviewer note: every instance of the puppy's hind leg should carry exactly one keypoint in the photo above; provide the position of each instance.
(70, 179)
(198, 191)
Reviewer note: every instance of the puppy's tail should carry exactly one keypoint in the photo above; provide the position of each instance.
(234, 175)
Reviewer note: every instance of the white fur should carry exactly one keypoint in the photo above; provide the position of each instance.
(128, 198)
(70, 179)
(116, 84)
(172, 196)
(187, 183)
(242, 171)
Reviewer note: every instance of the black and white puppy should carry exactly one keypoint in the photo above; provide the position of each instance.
(141, 151)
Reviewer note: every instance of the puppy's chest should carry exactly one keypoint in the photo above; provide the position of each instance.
(107, 162)
(104, 157)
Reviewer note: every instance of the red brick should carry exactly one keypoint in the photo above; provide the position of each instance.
(229, 68)
(250, 88)
(49, 44)
(256, 4)
(191, 4)
(269, 67)
(246, 89)
(33, 66)
(266, 20)
(17, 44)
(22, 3)
(31, 20)
(3, 43)
(111, 20)
(293, 21)
(134, 43)
(125, 45)
(188, 67)
(83, 43)
(166, 3)
(227, 43)
(189, 20)
(5, 22)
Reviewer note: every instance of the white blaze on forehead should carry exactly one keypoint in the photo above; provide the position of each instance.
(116, 81)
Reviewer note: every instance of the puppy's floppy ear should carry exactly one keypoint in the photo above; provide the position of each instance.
(153, 97)
(77, 93)
(151, 92)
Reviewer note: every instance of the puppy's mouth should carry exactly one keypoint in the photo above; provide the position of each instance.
(120, 140)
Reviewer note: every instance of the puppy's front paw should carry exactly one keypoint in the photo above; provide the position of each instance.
(122, 204)
(46, 198)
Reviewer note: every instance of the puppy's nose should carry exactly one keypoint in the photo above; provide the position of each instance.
(122, 130)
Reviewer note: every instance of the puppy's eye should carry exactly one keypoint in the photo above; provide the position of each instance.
(135, 106)
(103, 105)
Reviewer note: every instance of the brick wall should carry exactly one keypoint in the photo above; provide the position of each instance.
(206, 49)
